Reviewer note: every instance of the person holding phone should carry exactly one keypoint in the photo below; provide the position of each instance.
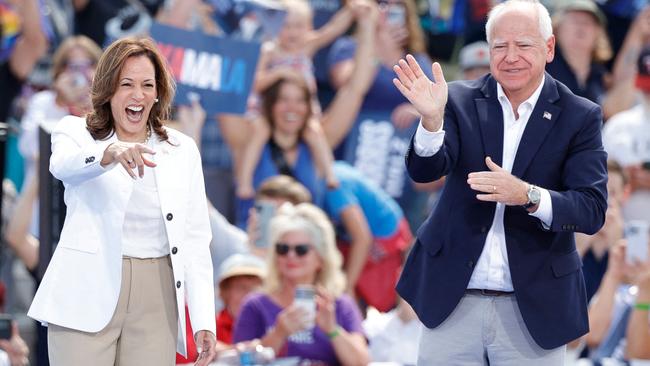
(397, 33)
(626, 137)
(13, 349)
(303, 274)
(135, 242)
(73, 67)
(638, 330)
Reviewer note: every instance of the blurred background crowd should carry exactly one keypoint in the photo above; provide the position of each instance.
(321, 144)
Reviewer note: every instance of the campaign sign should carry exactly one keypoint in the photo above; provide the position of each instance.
(220, 70)
(376, 148)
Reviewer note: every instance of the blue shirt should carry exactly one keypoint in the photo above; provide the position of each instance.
(382, 95)
(304, 171)
(381, 211)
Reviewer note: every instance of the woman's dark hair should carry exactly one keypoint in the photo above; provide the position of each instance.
(100, 121)
(271, 95)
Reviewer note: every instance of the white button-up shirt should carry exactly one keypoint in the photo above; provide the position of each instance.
(492, 270)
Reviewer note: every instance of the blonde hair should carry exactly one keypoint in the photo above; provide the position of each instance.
(301, 7)
(283, 187)
(311, 220)
(415, 42)
(602, 51)
(60, 58)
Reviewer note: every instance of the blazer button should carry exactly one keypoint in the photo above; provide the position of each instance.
(174, 250)
(178, 284)
(170, 217)
(470, 264)
(484, 229)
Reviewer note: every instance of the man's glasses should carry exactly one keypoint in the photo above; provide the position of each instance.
(283, 249)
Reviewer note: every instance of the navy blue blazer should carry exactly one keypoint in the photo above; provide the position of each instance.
(560, 150)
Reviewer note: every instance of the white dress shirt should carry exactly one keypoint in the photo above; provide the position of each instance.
(492, 270)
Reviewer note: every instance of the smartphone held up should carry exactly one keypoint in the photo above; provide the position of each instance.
(636, 235)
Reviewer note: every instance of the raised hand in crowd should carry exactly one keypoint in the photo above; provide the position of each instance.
(638, 329)
(15, 347)
(325, 310)
(622, 94)
(73, 89)
(428, 97)
(601, 308)
(639, 176)
(21, 241)
(290, 320)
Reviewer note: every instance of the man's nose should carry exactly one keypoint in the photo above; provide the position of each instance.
(512, 54)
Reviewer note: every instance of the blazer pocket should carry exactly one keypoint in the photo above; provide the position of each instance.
(78, 240)
(566, 264)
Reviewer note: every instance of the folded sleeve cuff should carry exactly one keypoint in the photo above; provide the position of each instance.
(427, 143)
(545, 209)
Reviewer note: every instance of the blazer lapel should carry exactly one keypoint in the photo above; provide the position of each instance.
(539, 124)
(490, 118)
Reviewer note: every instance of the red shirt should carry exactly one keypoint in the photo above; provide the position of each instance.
(225, 325)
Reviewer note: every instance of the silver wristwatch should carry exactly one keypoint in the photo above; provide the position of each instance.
(534, 196)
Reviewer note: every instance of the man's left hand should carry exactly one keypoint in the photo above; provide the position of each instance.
(498, 185)
(205, 344)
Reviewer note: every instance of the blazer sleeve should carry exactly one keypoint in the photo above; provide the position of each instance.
(198, 263)
(431, 168)
(75, 155)
(581, 207)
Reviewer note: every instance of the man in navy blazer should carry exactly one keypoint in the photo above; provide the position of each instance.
(494, 274)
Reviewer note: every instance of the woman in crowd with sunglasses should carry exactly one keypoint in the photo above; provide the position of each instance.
(304, 257)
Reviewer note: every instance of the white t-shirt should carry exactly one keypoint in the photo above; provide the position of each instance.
(392, 340)
(626, 137)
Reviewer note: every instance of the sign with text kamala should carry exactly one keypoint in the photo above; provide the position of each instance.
(220, 70)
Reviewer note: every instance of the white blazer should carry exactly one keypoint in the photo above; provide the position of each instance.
(81, 286)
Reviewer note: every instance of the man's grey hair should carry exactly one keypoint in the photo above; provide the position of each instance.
(543, 17)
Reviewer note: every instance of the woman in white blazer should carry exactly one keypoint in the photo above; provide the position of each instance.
(136, 232)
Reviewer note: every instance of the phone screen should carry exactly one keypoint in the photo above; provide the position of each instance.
(265, 211)
(5, 326)
(636, 235)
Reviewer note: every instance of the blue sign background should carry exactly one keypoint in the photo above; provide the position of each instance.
(238, 63)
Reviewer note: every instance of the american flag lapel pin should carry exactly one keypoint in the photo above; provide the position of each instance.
(547, 115)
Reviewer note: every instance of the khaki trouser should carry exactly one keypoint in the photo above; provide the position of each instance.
(143, 329)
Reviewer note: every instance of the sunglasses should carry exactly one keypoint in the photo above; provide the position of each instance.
(283, 249)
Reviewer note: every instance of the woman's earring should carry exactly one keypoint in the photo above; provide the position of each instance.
(155, 100)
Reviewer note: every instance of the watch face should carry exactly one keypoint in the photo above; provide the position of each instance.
(534, 195)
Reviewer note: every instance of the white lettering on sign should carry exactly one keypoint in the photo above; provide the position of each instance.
(202, 70)
(380, 154)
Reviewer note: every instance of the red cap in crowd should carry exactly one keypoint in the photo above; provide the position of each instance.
(643, 76)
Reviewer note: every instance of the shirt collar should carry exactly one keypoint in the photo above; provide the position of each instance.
(531, 101)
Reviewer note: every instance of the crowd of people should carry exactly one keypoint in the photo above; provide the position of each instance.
(268, 236)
